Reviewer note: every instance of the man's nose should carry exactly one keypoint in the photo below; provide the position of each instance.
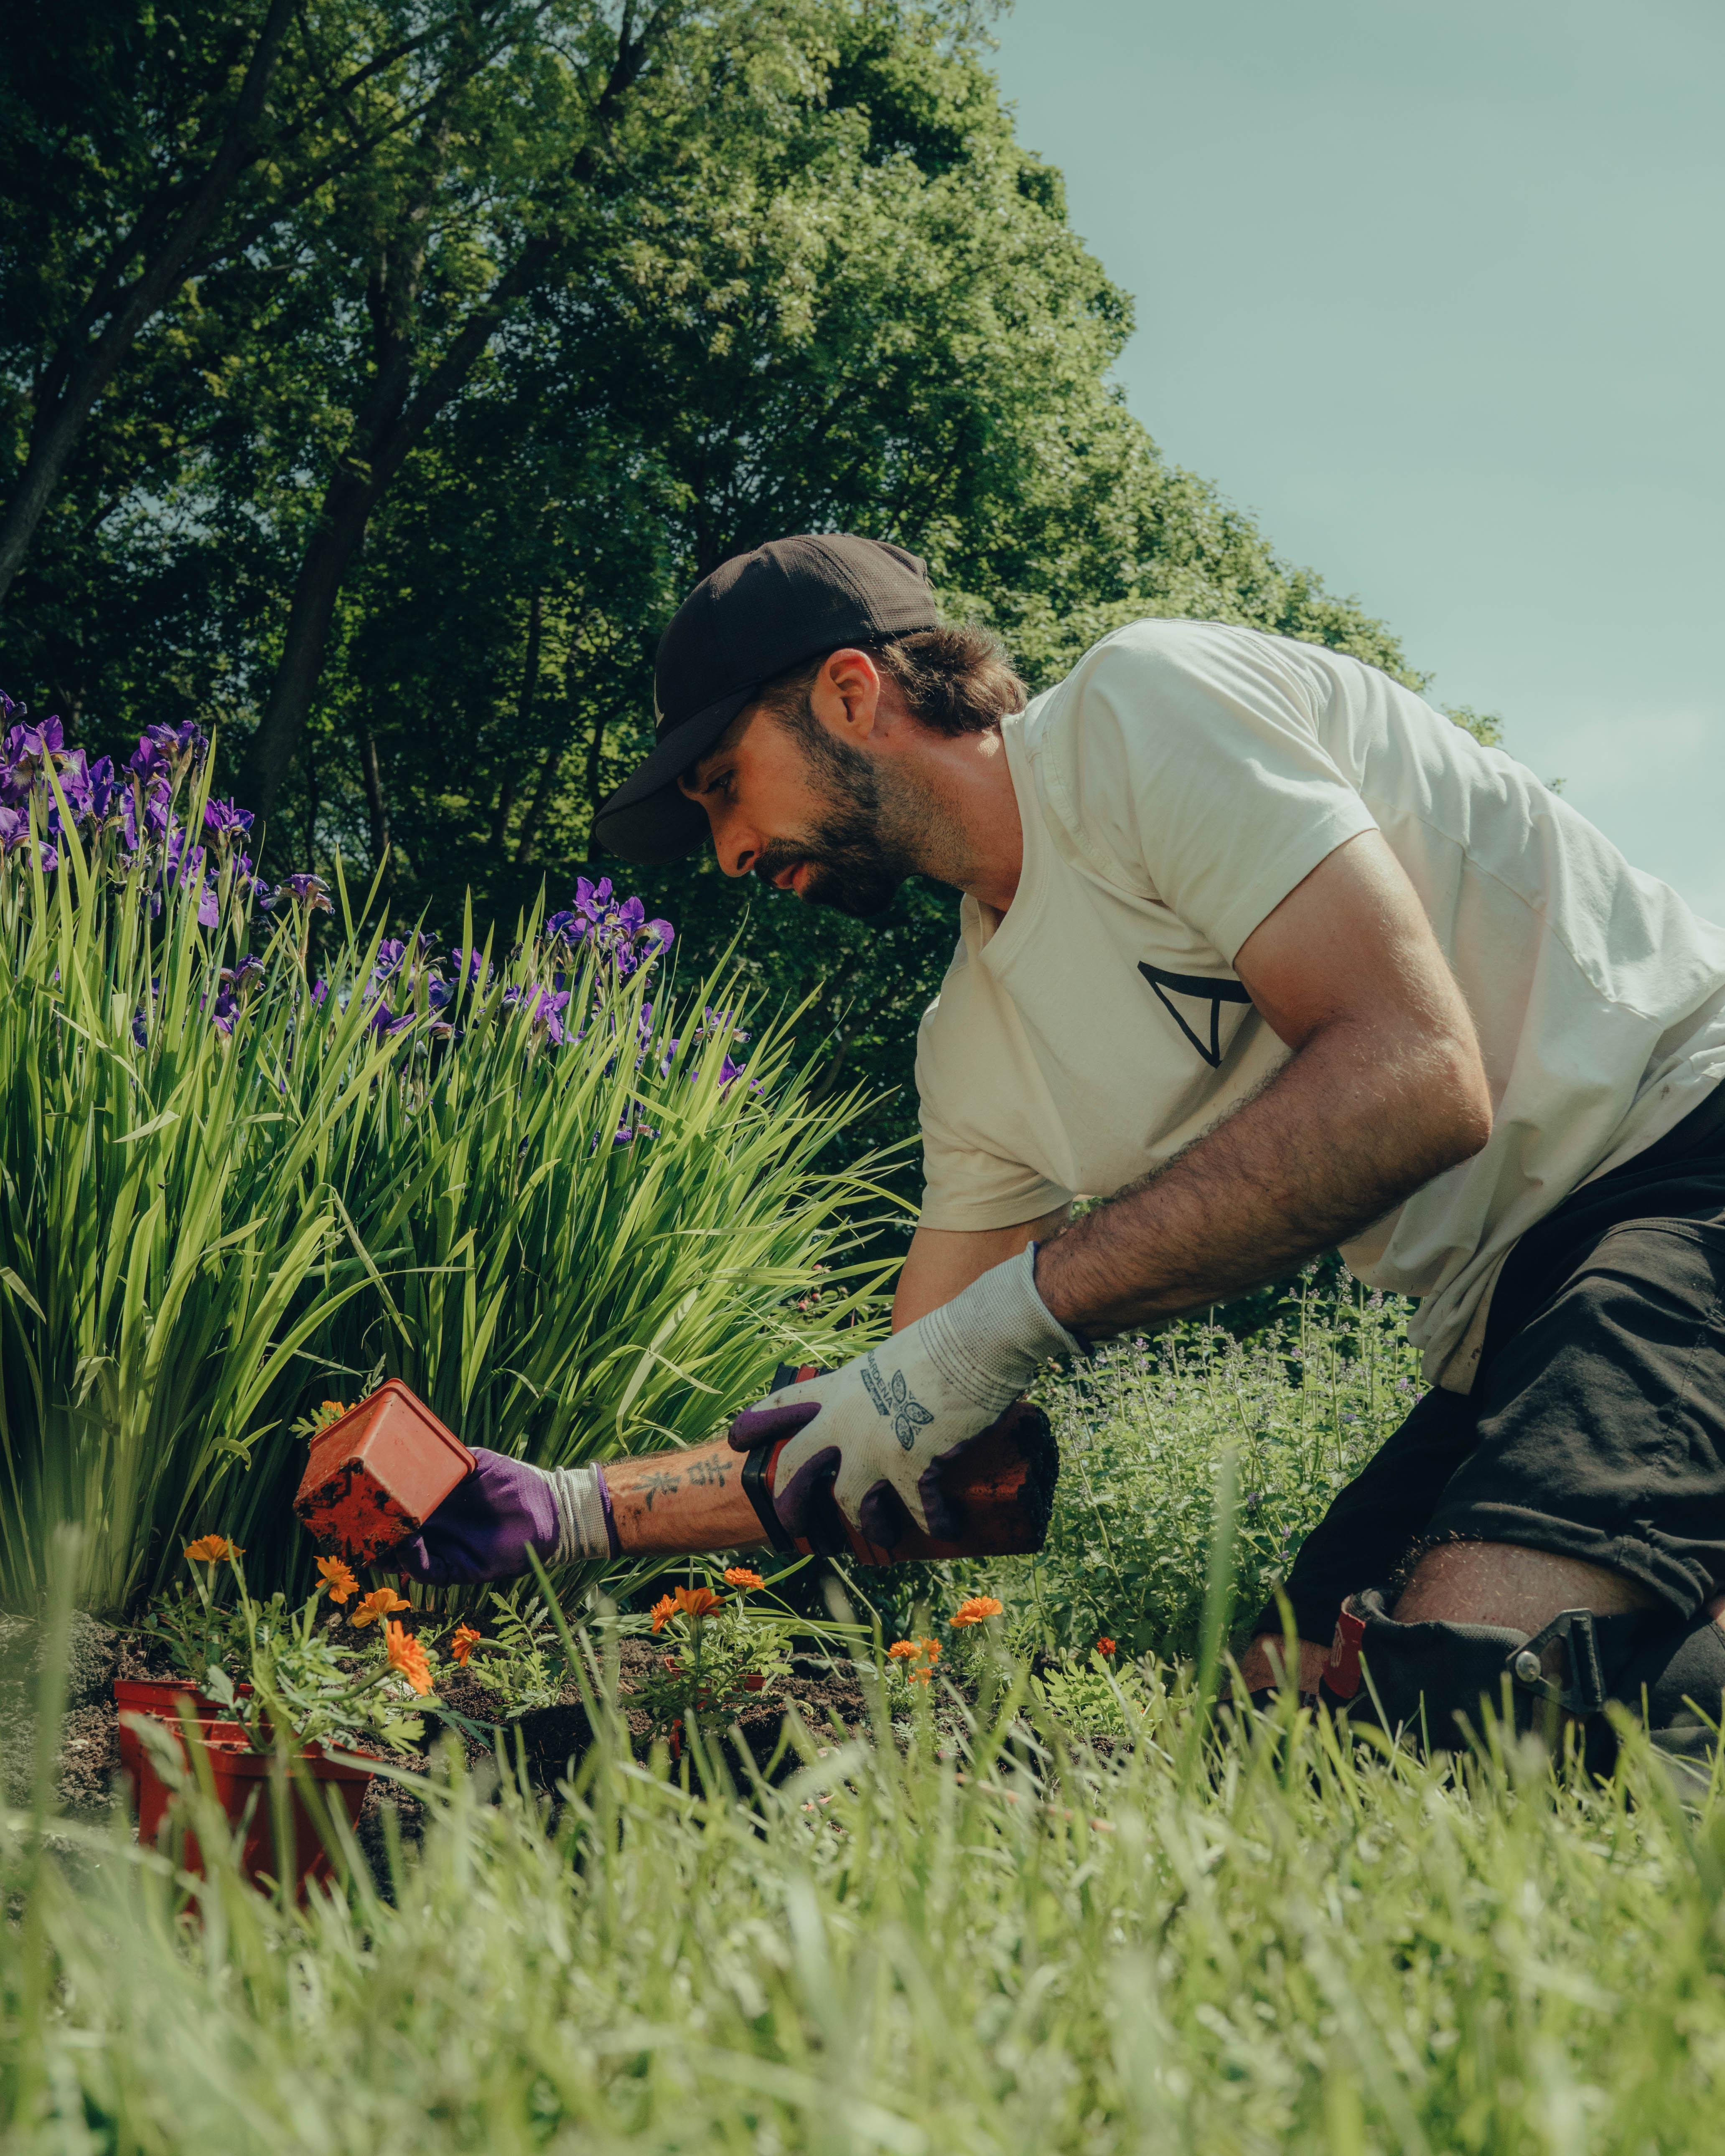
(734, 842)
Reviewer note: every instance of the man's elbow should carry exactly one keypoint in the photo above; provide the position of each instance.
(1458, 1099)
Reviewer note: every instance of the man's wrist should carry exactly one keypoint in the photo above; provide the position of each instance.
(991, 1339)
(1045, 1277)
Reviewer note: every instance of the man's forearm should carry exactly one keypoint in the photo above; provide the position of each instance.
(1349, 1128)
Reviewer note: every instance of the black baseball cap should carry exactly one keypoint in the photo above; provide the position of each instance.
(756, 616)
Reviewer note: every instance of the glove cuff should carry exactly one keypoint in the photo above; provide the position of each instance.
(991, 1339)
(582, 1505)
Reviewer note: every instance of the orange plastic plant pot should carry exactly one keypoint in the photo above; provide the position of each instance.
(241, 1778)
(375, 1477)
(160, 1699)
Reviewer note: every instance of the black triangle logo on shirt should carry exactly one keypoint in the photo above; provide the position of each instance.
(1203, 989)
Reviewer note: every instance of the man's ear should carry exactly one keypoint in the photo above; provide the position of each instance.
(846, 696)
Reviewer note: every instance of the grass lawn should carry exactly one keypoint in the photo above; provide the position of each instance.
(1093, 1920)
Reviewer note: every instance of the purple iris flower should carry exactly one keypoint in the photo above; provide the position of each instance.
(390, 953)
(14, 827)
(384, 1023)
(225, 1010)
(163, 751)
(35, 744)
(320, 989)
(222, 819)
(310, 892)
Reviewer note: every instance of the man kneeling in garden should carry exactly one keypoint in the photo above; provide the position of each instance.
(1272, 956)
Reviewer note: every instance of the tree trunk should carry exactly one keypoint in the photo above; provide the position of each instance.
(388, 429)
(348, 507)
(59, 423)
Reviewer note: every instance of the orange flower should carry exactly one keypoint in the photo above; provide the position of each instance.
(381, 1602)
(698, 1602)
(973, 1611)
(466, 1638)
(333, 1409)
(211, 1550)
(337, 1579)
(408, 1656)
(1105, 1646)
(664, 1611)
(901, 1649)
(739, 1575)
(930, 1649)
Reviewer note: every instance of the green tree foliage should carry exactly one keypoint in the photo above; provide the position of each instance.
(403, 490)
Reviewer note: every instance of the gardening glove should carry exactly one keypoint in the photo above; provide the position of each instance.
(877, 1433)
(484, 1529)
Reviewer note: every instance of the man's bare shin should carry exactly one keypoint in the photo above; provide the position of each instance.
(1261, 1664)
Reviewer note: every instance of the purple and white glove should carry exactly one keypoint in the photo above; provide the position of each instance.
(877, 1432)
(484, 1529)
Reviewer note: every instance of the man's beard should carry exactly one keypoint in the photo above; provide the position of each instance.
(858, 853)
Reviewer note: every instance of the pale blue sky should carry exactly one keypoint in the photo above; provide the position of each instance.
(1435, 292)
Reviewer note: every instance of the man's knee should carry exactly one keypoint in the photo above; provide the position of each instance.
(1507, 1583)
(1441, 1678)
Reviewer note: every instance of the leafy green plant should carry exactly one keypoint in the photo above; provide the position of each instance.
(720, 1653)
(541, 1190)
(1150, 1430)
(1095, 1697)
(520, 1662)
(320, 1674)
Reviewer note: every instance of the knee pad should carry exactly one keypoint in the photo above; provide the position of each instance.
(1438, 1680)
(1434, 1679)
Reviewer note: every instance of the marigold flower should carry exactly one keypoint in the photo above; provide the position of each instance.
(466, 1638)
(211, 1550)
(406, 1655)
(973, 1611)
(1105, 1646)
(381, 1602)
(333, 1410)
(337, 1579)
(901, 1649)
(739, 1575)
(664, 1611)
(930, 1649)
(698, 1602)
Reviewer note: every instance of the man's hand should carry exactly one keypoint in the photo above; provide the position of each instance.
(877, 1433)
(485, 1528)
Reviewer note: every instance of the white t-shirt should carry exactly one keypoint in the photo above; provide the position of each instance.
(1174, 788)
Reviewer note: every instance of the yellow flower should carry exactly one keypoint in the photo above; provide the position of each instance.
(739, 1575)
(337, 1579)
(973, 1611)
(379, 1603)
(466, 1638)
(211, 1550)
(664, 1611)
(408, 1656)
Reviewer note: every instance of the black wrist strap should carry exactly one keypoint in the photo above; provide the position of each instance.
(754, 1483)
